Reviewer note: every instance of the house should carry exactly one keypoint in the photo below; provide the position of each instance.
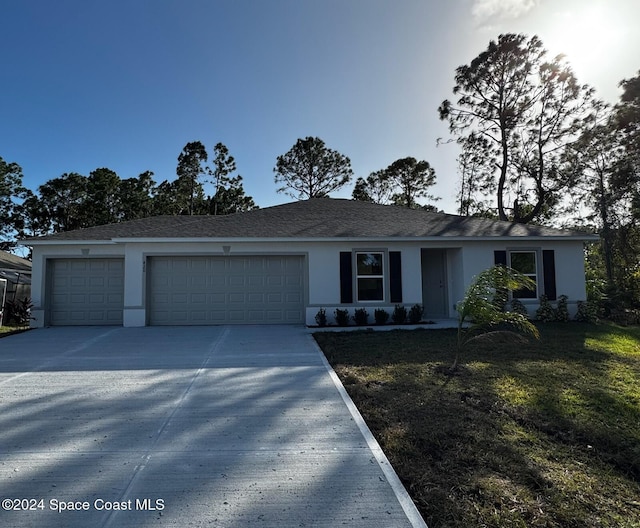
(15, 279)
(282, 264)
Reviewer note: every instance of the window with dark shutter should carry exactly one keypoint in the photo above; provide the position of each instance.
(500, 257)
(395, 276)
(346, 278)
(549, 273)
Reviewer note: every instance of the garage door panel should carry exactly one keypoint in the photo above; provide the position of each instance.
(232, 289)
(236, 281)
(86, 291)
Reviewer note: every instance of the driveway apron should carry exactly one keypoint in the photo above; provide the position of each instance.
(224, 426)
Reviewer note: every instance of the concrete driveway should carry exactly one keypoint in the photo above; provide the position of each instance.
(185, 426)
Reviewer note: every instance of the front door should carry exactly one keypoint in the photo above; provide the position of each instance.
(434, 283)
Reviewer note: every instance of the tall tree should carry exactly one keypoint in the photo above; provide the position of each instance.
(627, 120)
(136, 197)
(10, 189)
(401, 183)
(311, 170)
(223, 165)
(475, 186)
(34, 219)
(529, 110)
(64, 200)
(231, 198)
(413, 179)
(190, 168)
(595, 163)
(377, 188)
(101, 203)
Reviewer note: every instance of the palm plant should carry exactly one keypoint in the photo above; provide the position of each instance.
(482, 308)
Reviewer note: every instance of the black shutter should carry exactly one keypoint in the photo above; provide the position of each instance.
(549, 273)
(395, 276)
(346, 278)
(500, 257)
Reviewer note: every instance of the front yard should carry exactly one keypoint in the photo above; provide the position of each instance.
(539, 434)
(9, 330)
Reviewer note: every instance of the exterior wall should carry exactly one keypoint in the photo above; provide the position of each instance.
(322, 283)
(569, 266)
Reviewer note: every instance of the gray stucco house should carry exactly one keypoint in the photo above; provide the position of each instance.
(281, 264)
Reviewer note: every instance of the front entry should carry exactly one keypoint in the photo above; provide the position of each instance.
(434, 283)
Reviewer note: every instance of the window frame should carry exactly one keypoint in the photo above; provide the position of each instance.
(535, 276)
(382, 277)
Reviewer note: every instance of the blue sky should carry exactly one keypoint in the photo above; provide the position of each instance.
(126, 84)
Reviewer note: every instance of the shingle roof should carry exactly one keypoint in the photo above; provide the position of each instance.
(314, 218)
(12, 262)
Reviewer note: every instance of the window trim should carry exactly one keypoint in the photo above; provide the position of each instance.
(536, 276)
(357, 276)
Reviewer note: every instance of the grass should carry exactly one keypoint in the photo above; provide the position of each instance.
(537, 434)
(9, 330)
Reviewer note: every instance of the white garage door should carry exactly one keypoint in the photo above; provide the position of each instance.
(86, 291)
(220, 290)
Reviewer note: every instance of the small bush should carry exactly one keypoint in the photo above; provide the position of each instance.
(545, 312)
(587, 312)
(399, 315)
(562, 311)
(342, 317)
(19, 311)
(361, 317)
(415, 314)
(321, 317)
(381, 316)
(518, 307)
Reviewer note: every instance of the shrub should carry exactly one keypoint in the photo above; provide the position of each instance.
(19, 311)
(321, 317)
(587, 312)
(381, 316)
(545, 312)
(415, 314)
(518, 307)
(562, 312)
(361, 317)
(342, 317)
(399, 315)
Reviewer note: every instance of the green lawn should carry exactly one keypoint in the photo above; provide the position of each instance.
(8, 330)
(537, 434)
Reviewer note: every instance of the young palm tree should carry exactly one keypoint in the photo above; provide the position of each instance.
(482, 308)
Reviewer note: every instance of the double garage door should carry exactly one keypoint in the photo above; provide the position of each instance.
(220, 290)
(181, 290)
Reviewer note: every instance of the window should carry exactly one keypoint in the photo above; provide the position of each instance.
(525, 262)
(370, 276)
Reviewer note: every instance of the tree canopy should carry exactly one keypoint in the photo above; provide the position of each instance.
(528, 109)
(311, 170)
(11, 189)
(401, 183)
(73, 201)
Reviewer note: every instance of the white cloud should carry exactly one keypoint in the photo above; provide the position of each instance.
(484, 10)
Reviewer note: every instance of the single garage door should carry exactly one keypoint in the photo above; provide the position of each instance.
(86, 291)
(220, 290)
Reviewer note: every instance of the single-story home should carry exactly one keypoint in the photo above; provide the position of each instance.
(15, 279)
(281, 264)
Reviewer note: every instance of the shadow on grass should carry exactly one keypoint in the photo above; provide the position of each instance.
(541, 434)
